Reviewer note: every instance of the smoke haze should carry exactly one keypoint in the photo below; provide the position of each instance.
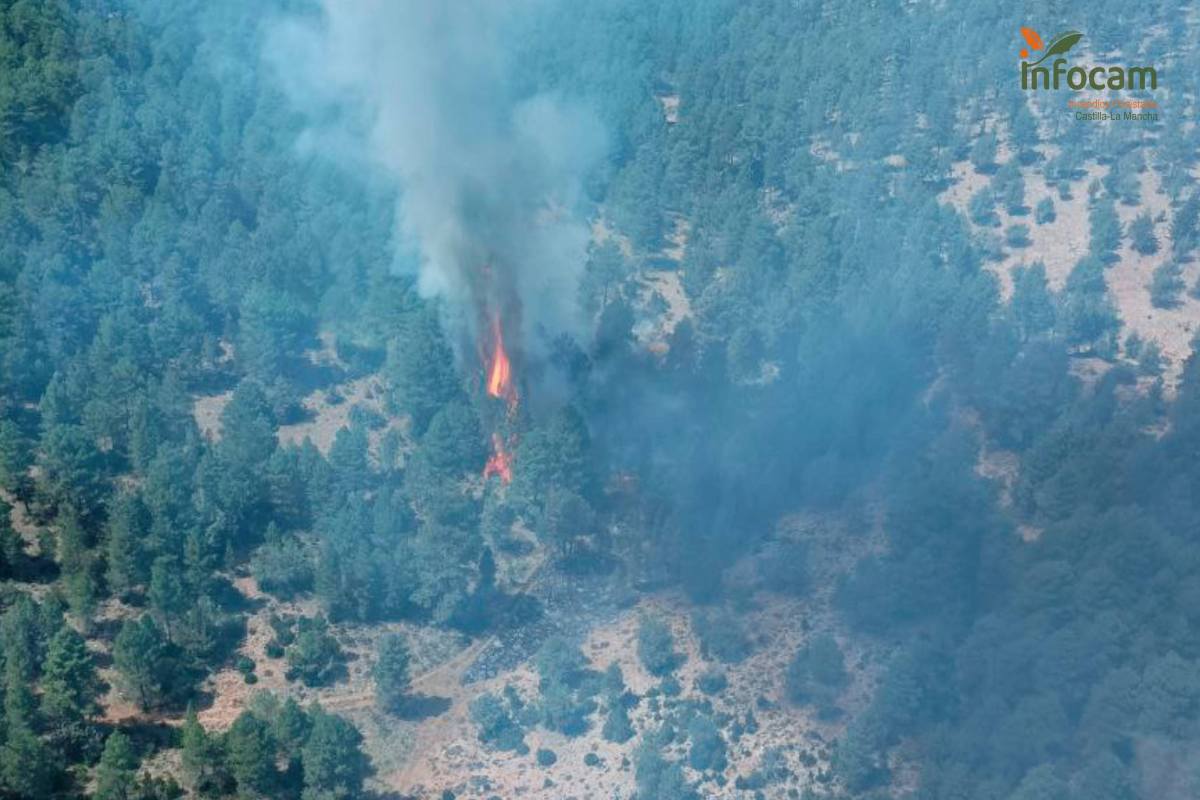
(489, 179)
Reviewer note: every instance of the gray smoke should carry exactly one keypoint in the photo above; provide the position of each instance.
(489, 177)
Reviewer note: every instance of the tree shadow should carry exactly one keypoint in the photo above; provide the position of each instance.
(417, 707)
(227, 596)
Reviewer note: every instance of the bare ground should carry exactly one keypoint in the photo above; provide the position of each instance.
(445, 752)
(327, 418)
(1060, 244)
(206, 410)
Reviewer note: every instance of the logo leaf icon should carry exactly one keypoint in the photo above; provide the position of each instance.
(1059, 45)
(1032, 38)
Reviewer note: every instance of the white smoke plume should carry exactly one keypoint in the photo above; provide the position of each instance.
(490, 177)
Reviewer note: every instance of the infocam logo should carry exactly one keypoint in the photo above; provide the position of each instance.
(1076, 78)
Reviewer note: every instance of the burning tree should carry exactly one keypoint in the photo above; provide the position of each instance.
(501, 386)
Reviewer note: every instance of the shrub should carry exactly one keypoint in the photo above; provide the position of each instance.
(617, 727)
(656, 646)
(546, 758)
(708, 748)
(1044, 212)
(284, 629)
(721, 636)
(591, 760)
(817, 674)
(1133, 346)
(982, 207)
(712, 681)
(1017, 236)
(1141, 235)
(366, 417)
(1166, 284)
(565, 710)
(282, 568)
(315, 658)
(497, 723)
(1150, 359)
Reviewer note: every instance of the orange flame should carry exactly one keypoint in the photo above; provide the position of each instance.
(500, 462)
(499, 383)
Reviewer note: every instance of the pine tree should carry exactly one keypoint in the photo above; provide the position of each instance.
(420, 369)
(26, 764)
(128, 527)
(1141, 234)
(290, 728)
(69, 682)
(1032, 305)
(26, 768)
(20, 706)
(334, 764)
(81, 590)
(617, 727)
(197, 749)
(116, 776)
(247, 426)
(1044, 212)
(142, 660)
(14, 458)
(656, 646)
(1105, 230)
(250, 755)
(11, 547)
(167, 597)
(391, 671)
(22, 639)
(1166, 285)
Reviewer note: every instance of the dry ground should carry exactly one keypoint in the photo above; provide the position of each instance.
(1059, 245)
(446, 754)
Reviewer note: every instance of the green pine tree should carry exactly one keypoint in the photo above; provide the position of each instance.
(116, 775)
(391, 671)
(250, 755)
(69, 682)
(197, 750)
(334, 763)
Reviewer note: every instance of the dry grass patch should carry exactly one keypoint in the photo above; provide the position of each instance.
(207, 410)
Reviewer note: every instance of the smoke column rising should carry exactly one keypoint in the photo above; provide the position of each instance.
(490, 180)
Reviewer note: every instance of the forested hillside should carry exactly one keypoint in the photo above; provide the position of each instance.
(865, 468)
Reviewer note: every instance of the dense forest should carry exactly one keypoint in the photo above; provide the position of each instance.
(787, 258)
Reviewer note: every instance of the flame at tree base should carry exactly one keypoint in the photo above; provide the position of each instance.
(500, 462)
(499, 384)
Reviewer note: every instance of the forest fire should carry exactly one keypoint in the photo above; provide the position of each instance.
(499, 383)
(500, 461)
(501, 386)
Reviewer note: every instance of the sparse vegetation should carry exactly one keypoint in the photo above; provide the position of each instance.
(656, 646)
(1017, 236)
(817, 674)
(1044, 213)
(498, 726)
(1141, 234)
(315, 658)
(712, 681)
(1166, 285)
(722, 635)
